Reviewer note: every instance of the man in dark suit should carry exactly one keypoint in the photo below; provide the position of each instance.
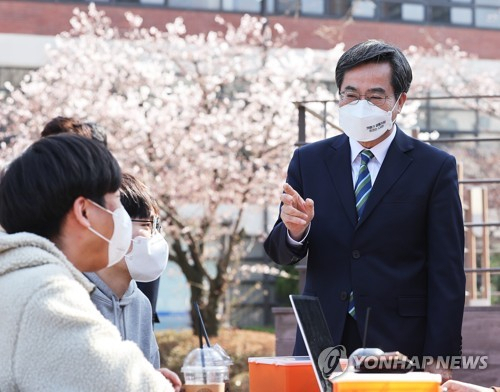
(387, 232)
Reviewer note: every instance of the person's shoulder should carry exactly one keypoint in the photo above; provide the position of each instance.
(22, 250)
(420, 148)
(135, 295)
(52, 279)
(324, 144)
(26, 253)
(22, 286)
(36, 272)
(139, 306)
(37, 294)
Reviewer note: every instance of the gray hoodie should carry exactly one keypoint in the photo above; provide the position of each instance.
(131, 314)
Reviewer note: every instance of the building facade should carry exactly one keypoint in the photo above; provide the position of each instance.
(473, 24)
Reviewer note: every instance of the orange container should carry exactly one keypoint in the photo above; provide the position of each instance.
(282, 374)
(386, 382)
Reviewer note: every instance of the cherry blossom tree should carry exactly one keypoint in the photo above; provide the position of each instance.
(206, 120)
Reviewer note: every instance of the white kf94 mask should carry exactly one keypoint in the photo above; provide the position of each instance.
(122, 234)
(365, 122)
(148, 258)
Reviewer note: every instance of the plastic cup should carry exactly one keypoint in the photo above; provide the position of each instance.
(206, 370)
(219, 387)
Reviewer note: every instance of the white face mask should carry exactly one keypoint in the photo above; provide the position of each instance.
(148, 258)
(122, 234)
(365, 122)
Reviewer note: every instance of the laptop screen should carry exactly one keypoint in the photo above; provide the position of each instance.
(315, 332)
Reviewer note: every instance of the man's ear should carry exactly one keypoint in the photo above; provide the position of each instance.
(79, 210)
(401, 102)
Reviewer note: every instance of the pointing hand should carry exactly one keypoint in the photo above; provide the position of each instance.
(296, 213)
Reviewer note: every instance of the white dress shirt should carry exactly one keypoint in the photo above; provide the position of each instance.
(379, 152)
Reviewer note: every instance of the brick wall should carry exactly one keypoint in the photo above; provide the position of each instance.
(50, 18)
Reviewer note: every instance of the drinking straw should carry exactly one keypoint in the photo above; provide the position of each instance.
(200, 336)
(366, 326)
(202, 325)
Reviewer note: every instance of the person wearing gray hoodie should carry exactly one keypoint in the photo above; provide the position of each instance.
(116, 294)
(130, 313)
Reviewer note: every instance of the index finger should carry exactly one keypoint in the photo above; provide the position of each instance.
(287, 188)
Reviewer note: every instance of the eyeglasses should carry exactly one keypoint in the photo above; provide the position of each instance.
(154, 223)
(352, 98)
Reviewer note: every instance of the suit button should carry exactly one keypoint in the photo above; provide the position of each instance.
(343, 295)
(356, 254)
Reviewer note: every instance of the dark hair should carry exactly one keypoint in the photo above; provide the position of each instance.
(40, 186)
(136, 199)
(89, 130)
(373, 51)
(97, 132)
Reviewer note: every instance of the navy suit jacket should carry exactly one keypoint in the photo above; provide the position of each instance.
(403, 258)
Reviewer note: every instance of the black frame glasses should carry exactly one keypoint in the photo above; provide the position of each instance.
(155, 223)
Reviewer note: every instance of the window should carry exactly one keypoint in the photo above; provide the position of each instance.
(313, 7)
(363, 9)
(462, 16)
(413, 12)
(196, 4)
(338, 8)
(440, 14)
(452, 120)
(391, 11)
(287, 7)
(487, 2)
(242, 5)
(269, 6)
(488, 123)
(488, 17)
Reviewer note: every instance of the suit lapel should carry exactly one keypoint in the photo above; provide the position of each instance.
(339, 166)
(394, 165)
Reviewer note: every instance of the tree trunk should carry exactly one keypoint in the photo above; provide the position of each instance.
(209, 309)
(196, 297)
(214, 296)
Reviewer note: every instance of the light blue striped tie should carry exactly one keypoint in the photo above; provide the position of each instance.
(362, 191)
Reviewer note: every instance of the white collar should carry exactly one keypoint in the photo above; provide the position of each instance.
(379, 151)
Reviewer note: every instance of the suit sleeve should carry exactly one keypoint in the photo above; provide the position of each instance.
(276, 244)
(65, 344)
(446, 276)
